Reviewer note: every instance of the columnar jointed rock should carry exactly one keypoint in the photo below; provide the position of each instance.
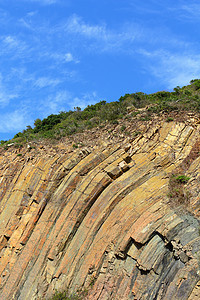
(102, 220)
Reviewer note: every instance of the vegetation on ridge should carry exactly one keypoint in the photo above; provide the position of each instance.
(65, 123)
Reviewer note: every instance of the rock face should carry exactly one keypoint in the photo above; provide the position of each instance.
(102, 219)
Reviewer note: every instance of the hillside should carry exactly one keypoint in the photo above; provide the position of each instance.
(129, 107)
(110, 212)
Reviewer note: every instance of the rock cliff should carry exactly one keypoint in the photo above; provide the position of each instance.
(100, 218)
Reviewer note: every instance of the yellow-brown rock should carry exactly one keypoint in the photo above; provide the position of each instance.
(102, 216)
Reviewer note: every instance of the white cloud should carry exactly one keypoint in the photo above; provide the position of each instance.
(100, 36)
(12, 45)
(185, 10)
(13, 121)
(76, 25)
(5, 96)
(31, 13)
(44, 2)
(191, 10)
(13, 42)
(173, 69)
(85, 100)
(59, 58)
(17, 120)
(45, 81)
(68, 57)
(55, 103)
(180, 69)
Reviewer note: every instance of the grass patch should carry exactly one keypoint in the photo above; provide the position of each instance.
(169, 119)
(79, 295)
(136, 133)
(64, 296)
(178, 194)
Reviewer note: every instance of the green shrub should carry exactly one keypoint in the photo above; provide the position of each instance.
(169, 119)
(135, 113)
(182, 178)
(115, 122)
(2, 142)
(195, 83)
(19, 134)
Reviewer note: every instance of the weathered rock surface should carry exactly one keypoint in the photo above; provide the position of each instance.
(102, 220)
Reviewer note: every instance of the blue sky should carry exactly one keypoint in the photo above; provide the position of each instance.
(58, 54)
